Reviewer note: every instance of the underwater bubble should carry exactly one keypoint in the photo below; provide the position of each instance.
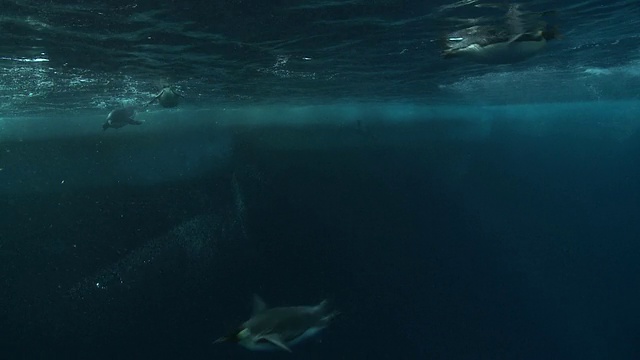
(195, 240)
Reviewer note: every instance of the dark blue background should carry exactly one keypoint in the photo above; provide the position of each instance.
(481, 237)
(506, 246)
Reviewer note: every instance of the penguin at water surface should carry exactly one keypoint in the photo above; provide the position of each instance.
(120, 117)
(518, 39)
(495, 48)
(280, 328)
(167, 97)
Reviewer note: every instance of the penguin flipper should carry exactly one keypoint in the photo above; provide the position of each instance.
(515, 38)
(277, 341)
(135, 122)
(155, 98)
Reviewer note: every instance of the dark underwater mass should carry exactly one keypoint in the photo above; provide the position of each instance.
(319, 180)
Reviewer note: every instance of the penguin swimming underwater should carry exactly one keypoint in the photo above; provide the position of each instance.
(120, 117)
(515, 41)
(167, 97)
(280, 327)
(499, 49)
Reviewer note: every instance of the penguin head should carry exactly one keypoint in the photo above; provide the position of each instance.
(550, 33)
(236, 336)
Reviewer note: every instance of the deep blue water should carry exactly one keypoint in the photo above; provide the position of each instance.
(323, 150)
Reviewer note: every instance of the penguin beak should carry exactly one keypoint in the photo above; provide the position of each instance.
(233, 337)
(220, 340)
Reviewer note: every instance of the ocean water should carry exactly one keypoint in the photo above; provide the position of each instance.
(323, 149)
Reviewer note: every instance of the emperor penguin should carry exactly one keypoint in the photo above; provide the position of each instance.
(512, 42)
(280, 328)
(167, 97)
(120, 117)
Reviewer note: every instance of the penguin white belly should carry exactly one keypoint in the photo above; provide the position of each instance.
(267, 346)
(502, 53)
